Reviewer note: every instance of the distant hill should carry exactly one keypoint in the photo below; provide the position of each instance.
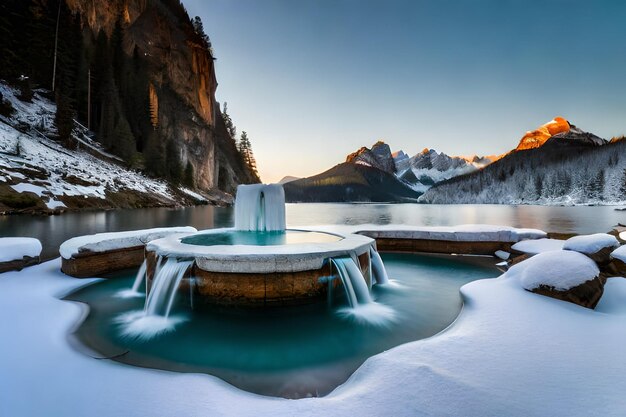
(287, 179)
(350, 182)
(555, 164)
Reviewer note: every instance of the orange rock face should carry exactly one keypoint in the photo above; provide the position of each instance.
(538, 137)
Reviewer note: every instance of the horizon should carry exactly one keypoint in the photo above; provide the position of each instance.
(460, 78)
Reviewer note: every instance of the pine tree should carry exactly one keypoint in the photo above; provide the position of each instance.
(247, 156)
(172, 161)
(230, 126)
(155, 155)
(123, 141)
(188, 178)
(64, 116)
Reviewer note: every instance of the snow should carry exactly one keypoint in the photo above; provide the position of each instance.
(533, 247)
(502, 254)
(504, 355)
(590, 244)
(29, 188)
(619, 254)
(193, 194)
(559, 269)
(461, 233)
(102, 242)
(613, 300)
(58, 166)
(14, 248)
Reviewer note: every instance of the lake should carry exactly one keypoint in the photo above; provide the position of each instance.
(54, 230)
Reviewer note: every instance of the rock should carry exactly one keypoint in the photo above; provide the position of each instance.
(597, 246)
(378, 157)
(587, 294)
(564, 275)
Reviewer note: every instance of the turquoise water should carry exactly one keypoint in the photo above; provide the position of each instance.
(238, 237)
(290, 352)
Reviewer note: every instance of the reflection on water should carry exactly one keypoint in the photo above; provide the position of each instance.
(53, 230)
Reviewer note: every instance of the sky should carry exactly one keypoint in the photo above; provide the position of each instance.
(311, 81)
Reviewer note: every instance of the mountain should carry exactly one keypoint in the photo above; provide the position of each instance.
(378, 157)
(287, 179)
(429, 167)
(39, 175)
(350, 182)
(152, 84)
(570, 166)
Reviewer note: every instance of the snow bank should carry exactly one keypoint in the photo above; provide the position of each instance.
(14, 248)
(503, 356)
(619, 254)
(533, 247)
(461, 233)
(589, 244)
(102, 242)
(614, 299)
(558, 269)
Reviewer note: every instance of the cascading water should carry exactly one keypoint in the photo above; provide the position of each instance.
(362, 307)
(164, 286)
(378, 268)
(352, 280)
(141, 275)
(260, 207)
(155, 318)
(139, 279)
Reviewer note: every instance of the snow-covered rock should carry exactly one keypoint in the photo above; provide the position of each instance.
(561, 274)
(619, 253)
(533, 247)
(597, 246)
(16, 248)
(103, 242)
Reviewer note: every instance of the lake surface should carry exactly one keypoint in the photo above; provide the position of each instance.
(54, 230)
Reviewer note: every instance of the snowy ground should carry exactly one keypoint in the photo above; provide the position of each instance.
(511, 352)
(30, 162)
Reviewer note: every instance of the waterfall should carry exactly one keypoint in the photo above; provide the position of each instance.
(260, 207)
(164, 286)
(353, 282)
(141, 275)
(378, 268)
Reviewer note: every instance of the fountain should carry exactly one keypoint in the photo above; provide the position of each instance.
(259, 263)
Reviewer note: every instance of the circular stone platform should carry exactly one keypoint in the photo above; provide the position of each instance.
(253, 275)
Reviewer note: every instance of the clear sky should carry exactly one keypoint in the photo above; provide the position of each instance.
(313, 80)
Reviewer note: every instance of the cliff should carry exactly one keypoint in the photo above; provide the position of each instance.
(182, 79)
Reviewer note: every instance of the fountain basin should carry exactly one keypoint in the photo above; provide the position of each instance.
(254, 275)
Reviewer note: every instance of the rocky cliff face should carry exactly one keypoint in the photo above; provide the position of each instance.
(378, 157)
(183, 76)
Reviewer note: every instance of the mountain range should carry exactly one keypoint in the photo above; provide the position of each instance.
(557, 163)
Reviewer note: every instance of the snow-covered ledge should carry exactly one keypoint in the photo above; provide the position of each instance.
(91, 255)
(261, 259)
(18, 252)
(463, 239)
